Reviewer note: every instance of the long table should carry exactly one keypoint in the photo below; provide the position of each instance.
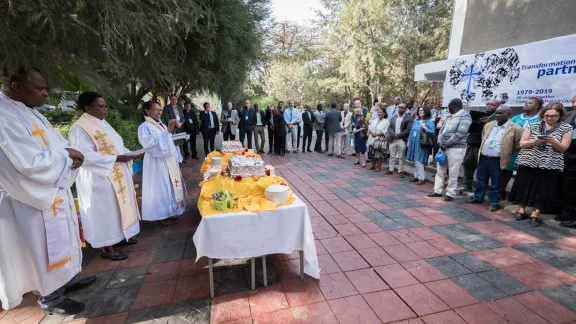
(251, 235)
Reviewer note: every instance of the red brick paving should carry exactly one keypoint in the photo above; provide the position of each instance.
(369, 275)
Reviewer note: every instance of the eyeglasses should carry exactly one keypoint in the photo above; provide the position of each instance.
(551, 116)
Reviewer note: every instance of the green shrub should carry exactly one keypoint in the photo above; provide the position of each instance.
(127, 129)
(57, 117)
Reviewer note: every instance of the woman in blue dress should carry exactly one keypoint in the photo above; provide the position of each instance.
(530, 116)
(417, 153)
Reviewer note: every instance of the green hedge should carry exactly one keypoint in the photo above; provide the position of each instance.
(127, 129)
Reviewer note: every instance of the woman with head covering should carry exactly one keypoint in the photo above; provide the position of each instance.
(162, 186)
(107, 200)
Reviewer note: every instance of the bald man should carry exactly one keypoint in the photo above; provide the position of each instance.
(500, 139)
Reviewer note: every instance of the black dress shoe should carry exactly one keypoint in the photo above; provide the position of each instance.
(535, 221)
(117, 256)
(448, 198)
(421, 182)
(520, 216)
(65, 308)
(435, 195)
(414, 180)
(474, 201)
(81, 284)
(309, 151)
(131, 241)
(569, 224)
(195, 157)
(493, 208)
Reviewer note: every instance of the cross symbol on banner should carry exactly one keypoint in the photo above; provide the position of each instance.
(54, 204)
(39, 132)
(474, 73)
(176, 182)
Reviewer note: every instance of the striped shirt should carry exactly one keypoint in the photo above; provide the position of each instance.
(544, 157)
(455, 130)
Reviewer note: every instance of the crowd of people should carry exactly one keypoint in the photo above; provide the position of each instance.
(41, 235)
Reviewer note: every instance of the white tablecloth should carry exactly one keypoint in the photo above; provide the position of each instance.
(248, 235)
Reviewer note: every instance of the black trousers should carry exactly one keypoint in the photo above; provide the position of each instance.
(569, 189)
(470, 164)
(280, 143)
(307, 135)
(326, 138)
(246, 132)
(209, 137)
(270, 140)
(192, 144)
(298, 139)
(318, 145)
(228, 136)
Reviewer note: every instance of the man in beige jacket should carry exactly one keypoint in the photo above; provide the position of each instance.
(346, 125)
(500, 139)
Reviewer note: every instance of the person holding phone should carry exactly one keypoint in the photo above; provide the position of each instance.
(540, 163)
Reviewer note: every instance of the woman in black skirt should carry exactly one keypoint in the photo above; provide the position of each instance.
(540, 163)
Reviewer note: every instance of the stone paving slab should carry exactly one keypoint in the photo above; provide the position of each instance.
(388, 253)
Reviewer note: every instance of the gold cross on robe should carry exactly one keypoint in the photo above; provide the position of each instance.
(39, 132)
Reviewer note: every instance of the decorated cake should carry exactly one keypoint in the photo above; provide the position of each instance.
(277, 193)
(245, 166)
(232, 147)
(217, 163)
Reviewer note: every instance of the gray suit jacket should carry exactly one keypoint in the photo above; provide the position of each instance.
(225, 123)
(333, 119)
(320, 116)
(168, 114)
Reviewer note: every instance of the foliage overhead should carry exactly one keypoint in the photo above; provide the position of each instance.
(126, 48)
(353, 42)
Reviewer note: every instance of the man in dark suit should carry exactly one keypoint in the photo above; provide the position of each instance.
(209, 127)
(192, 128)
(279, 126)
(308, 119)
(333, 127)
(173, 111)
(247, 122)
(269, 113)
(399, 130)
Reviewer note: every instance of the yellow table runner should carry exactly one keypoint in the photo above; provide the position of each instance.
(249, 194)
(225, 156)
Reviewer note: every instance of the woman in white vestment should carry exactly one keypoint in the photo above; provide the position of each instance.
(107, 199)
(162, 185)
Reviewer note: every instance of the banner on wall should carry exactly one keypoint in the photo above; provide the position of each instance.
(545, 69)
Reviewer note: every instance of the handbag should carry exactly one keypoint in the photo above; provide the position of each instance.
(441, 158)
(380, 144)
(426, 141)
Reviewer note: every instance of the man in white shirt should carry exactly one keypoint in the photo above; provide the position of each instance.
(393, 110)
(346, 125)
(292, 119)
(40, 247)
(500, 139)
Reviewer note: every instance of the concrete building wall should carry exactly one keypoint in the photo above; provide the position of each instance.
(492, 24)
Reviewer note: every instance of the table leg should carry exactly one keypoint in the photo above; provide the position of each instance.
(253, 266)
(211, 274)
(301, 264)
(265, 275)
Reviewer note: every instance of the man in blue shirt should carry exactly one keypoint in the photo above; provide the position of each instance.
(292, 119)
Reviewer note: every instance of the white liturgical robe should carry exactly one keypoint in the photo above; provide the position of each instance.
(160, 190)
(39, 232)
(99, 207)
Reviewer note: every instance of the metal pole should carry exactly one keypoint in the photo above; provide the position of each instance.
(302, 264)
(253, 266)
(211, 275)
(265, 275)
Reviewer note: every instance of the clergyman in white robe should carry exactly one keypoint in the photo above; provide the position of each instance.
(39, 233)
(162, 185)
(99, 206)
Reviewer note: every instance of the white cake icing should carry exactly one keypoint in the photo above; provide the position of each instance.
(245, 166)
(231, 147)
(277, 193)
(217, 162)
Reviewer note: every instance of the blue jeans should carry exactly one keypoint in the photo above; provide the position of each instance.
(488, 169)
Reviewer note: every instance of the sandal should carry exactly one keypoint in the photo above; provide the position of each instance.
(520, 216)
(117, 256)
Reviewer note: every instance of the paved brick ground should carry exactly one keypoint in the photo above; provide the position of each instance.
(388, 254)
